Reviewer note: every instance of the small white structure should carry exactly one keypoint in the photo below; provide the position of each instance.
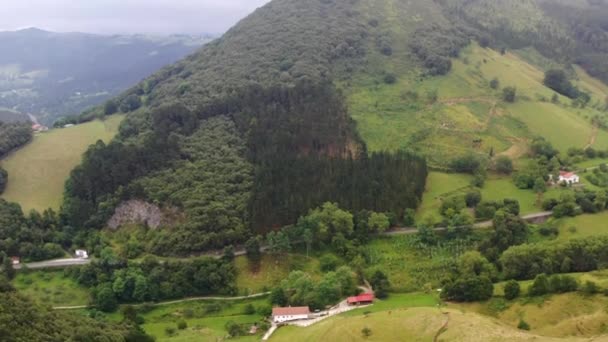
(280, 315)
(68, 126)
(15, 261)
(82, 254)
(569, 178)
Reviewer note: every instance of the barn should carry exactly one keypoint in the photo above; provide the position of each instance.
(362, 299)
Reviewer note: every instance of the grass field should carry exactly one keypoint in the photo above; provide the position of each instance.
(443, 185)
(408, 324)
(468, 110)
(582, 226)
(38, 171)
(205, 323)
(51, 288)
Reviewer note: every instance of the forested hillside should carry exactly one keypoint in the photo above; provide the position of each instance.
(265, 113)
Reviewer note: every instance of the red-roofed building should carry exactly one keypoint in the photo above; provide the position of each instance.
(15, 260)
(568, 177)
(365, 298)
(280, 315)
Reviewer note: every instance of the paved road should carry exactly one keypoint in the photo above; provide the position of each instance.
(54, 263)
(479, 225)
(191, 299)
(217, 254)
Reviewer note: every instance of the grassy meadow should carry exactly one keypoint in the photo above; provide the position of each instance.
(51, 288)
(37, 172)
(205, 320)
(400, 116)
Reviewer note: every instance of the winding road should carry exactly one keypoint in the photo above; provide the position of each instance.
(57, 263)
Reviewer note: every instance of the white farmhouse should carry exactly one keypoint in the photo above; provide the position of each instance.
(82, 254)
(280, 315)
(568, 178)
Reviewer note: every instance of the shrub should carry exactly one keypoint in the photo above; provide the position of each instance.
(509, 94)
(328, 263)
(472, 198)
(170, 331)
(366, 332)
(181, 325)
(523, 325)
(590, 288)
(494, 83)
(390, 78)
(512, 289)
(249, 309)
(504, 165)
(540, 286)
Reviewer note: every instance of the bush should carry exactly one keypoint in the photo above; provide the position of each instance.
(512, 289)
(249, 309)
(590, 288)
(472, 198)
(467, 164)
(509, 94)
(523, 325)
(468, 289)
(233, 329)
(540, 286)
(366, 332)
(170, 331)
(390, 78)
(328, 263)
(181, 325)
(504, 165)
(494, 83)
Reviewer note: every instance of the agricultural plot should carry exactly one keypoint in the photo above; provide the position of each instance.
(38, 171)
(468, 115)
(582, 226)
(411, 267)
(204, 320)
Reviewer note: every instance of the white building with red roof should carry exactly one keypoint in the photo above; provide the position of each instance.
(362, 299)
(568, 177)
(280, 315)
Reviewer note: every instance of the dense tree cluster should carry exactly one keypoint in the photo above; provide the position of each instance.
(23, 320)
(435, 46)
(299, 288)
(14, 135)
(114, 280)
(576, 255)
(32, 237)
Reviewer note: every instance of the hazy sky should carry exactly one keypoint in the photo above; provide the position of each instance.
(126, 16)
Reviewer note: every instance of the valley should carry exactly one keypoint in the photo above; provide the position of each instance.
(323, 150)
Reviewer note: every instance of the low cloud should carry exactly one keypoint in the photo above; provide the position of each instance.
(126, 16)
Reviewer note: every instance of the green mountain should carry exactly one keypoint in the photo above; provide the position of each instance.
(285, 111)
(52, 74)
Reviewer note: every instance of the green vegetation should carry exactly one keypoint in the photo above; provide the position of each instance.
(51, 288)
(38, 171)
(14, 135)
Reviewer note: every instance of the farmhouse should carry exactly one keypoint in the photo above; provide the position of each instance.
(568, 177)
(15, 261)
(280, 315)
(365, 298)
(82, 254)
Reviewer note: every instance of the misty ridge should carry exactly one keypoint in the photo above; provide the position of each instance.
(50, 75)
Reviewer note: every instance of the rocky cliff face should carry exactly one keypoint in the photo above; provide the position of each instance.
(138, 212)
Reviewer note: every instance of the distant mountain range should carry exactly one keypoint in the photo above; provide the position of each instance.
(52, 74)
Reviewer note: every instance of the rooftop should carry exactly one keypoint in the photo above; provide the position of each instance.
(365, 297)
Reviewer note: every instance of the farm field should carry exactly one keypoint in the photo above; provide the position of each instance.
(413, 269)
(443, 185)
(582, 226)
(567, 315)
(205, 320)
(410, 324)
(37, 172)
(51, 288)
(400, 115)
